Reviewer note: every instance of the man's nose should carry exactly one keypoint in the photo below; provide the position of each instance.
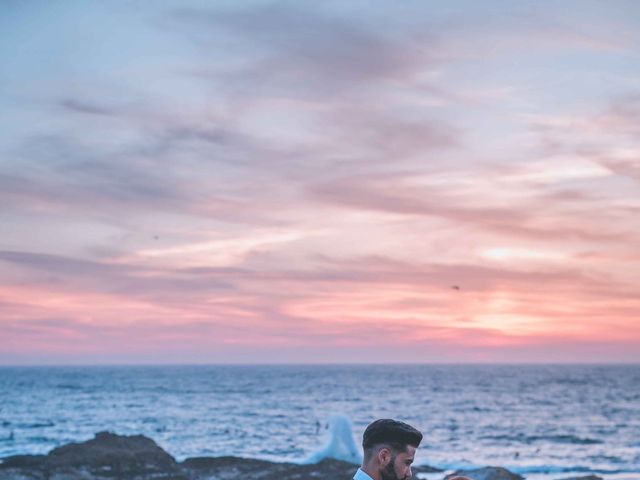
(410, 474)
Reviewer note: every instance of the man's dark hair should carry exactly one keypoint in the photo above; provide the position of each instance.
(393, 433)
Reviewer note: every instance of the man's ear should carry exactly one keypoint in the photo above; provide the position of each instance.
(384, 456)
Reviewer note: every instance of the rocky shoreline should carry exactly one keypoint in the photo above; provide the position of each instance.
(112, 456)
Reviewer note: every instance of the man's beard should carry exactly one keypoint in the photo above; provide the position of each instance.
(389, 473)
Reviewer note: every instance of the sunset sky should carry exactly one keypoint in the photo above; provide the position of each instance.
(313, 182)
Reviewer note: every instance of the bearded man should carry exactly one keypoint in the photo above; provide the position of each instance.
(389, 450)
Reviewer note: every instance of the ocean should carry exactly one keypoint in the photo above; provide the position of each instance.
(544, 422)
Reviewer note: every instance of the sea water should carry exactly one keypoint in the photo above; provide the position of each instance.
(547, 421)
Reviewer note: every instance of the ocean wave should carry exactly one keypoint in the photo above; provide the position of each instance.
(605, 459)
(39, 439)
(68, 386)
(572, 439)
(453, 466)
(528, 439)
(568, 469)
(46, 424)
(539, 469)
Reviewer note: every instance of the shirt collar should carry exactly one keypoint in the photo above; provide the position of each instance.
(361, 475)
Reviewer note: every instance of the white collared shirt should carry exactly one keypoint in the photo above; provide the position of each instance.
(361, 475)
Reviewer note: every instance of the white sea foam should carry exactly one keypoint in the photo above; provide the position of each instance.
(340, 444)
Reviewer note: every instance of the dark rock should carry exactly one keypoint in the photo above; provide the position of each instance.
(20, 474)
(106, 456)
(23, 461)
(109, 457)
(228, 468)
(234, 468)
(425, 469)
(486, 473)
(218, 463)
(111, 452)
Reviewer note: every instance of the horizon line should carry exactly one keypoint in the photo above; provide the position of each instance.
(316, 364)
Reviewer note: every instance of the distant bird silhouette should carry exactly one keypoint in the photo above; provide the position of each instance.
(455, 287)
